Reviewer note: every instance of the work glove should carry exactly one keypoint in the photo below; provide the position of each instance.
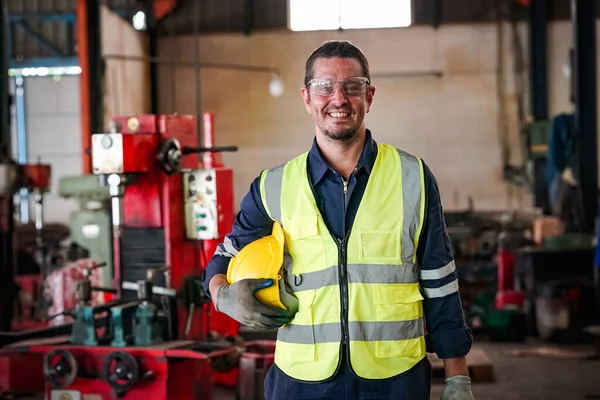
(457, 388)
(238, 301)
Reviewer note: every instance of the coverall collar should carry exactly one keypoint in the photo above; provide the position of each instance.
(319, 166)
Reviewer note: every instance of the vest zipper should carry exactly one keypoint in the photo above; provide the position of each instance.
(343, 272)
(343, 289)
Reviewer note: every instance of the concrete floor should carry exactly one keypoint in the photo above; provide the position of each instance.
(527, 378)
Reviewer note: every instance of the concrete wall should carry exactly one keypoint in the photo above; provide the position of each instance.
(453, 122)
(126, 89)
(53, 123)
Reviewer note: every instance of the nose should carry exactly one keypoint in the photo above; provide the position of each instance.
(339, 97)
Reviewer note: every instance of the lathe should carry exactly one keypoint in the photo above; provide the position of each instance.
(160, 335)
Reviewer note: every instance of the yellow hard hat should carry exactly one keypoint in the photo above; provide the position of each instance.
(263, 259)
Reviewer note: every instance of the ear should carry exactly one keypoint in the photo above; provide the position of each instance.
(306, 98)
(370, 95)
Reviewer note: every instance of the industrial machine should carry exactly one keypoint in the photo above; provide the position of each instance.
(160, 334)
(90, 225)
(22, 290)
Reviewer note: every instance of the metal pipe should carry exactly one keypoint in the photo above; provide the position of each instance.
(155, 289)
(95, 67)
(20, 111)
(538, 81)
(84, 87)
(39, 217)
(7, 285)
(199, 132)
(437, 13)
(151, 31)
(5, 133)
(583, 13)
(192, 63)
(538, 54)
(116, 189)
(249, 8)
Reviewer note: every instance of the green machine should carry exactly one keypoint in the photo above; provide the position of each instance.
(91, 224)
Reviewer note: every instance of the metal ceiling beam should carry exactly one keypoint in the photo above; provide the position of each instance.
(42, 41)
(19, 16)
(48, 62)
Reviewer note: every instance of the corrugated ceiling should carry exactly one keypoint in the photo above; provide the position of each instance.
(46, 28)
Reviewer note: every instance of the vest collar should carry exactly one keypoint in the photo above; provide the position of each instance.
(318, 166)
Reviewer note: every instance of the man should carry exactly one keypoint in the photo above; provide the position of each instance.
(364, 276)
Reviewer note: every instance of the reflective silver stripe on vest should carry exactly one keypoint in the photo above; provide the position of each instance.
(411, 195)
(273, 183)
(358, 330)
(357, 273)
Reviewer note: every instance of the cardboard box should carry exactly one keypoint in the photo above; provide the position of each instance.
(545, 227)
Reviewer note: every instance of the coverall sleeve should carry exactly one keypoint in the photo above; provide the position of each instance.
(251, 223)
(447, 334)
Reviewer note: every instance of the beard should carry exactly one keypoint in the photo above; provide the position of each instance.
(345, 135)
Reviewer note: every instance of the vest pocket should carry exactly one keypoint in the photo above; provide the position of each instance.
(304, 243)
(299, 335)
(302, 227)
(380, 246)
(399, 313)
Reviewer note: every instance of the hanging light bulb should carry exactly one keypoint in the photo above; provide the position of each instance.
(139, 21)
(276, 87)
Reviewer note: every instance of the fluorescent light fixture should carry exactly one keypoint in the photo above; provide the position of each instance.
(45, 71)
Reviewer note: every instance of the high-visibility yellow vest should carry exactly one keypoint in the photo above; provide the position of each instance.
(363, 290)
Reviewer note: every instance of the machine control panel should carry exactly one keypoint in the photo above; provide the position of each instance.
(123, 153)
(207, 195)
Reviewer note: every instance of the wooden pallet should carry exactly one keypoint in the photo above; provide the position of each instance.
(481, 368)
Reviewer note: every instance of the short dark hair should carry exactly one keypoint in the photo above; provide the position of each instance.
(335, 49)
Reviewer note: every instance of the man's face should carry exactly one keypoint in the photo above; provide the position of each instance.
(338, 116)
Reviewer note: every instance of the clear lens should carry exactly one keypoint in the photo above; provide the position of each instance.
(351, 86)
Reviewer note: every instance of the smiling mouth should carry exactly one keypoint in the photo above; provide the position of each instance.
(339, 115)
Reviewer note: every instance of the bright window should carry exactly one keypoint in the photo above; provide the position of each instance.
(312, 15)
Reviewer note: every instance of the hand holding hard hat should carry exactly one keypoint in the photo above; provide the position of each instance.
(255, 295)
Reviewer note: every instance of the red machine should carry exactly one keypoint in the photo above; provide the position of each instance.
(166, 211)
(173, 370)
(168, 215)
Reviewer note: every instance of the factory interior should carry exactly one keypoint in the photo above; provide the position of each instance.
(131, 132)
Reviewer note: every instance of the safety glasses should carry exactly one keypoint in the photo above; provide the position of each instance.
(351, 86)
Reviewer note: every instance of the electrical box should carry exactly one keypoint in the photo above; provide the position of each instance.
(208, 203)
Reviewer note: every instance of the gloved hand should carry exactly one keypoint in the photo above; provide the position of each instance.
(238, 301)
(457, 388)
